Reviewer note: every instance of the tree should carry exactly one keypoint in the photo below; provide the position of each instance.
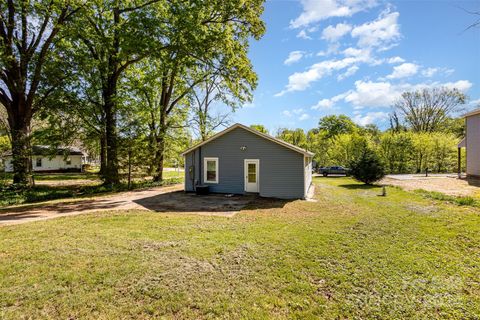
(427, 110)
(296, 137)
(203, 118)
(29, 31)
(260, 128)
(368, 168)
(115, 35)
(334, 125)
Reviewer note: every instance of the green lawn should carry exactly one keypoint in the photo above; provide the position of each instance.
(350, 255)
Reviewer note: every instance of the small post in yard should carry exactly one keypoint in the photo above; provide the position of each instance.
(384, 191)
(129, 167)
(426, 172)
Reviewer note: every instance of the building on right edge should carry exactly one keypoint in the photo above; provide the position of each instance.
(471, 143)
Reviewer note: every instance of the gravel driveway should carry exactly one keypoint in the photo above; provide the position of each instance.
(444, 183)
(162, 199)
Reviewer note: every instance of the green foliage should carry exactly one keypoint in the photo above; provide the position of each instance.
(368, 167)
(296, 137)
(260, 128)
(335, 125)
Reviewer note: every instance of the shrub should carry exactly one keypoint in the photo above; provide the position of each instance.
(368, 167)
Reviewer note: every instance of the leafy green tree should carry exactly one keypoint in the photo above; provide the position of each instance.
(396, 150)
(29, 31)
(260, 128)
(429, 109)
(367, 168)
(345, 148)
(296, 137)
(334, 125)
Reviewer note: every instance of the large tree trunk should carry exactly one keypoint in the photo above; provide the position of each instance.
(103, 153)
(111, 170)
(19, 118)
(159, 157)
(20, 153)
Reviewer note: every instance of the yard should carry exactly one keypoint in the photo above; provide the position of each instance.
(72, 185)
(351, 254)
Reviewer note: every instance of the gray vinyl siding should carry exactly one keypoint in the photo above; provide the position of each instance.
(281, 170)
(473, 145)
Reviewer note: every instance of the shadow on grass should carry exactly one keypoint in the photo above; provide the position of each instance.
(353, 186)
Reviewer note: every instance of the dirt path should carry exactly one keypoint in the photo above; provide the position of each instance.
(54, 209)
(441, 183)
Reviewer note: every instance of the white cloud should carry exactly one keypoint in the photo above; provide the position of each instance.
(332, 33)
(291, 113)
(350, 72)
(300, 81)
(384, 93)
(332, 49)
(293, 57)
(382, 32)
(429, 72)
(303, 34)
(328, 103)
(318, 10)
(324, 104)
(370, 117)
(287, 113)
(304, 116)
(394, 60)
(404, 70)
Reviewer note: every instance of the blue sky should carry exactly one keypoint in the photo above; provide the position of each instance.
(355, 57)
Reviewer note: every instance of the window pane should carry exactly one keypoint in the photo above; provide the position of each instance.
(252, 173)
(210, 165)
(211, 171)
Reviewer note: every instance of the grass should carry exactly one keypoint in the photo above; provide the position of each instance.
(351, 254)
(43, 192)
(461, 201)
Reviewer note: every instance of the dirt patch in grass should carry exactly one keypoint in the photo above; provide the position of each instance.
(447, 185)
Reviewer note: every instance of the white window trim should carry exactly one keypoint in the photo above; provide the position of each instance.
(205, 170)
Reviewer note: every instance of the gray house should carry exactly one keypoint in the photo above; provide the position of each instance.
(242, 160)
(471, 143)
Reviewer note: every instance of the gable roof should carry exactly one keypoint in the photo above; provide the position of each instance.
(260, 134)
(472, 113)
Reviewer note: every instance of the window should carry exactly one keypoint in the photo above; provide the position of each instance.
(38, 162)
(68, 161)
(210, 170)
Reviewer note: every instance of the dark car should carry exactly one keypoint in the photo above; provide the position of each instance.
(334, 170)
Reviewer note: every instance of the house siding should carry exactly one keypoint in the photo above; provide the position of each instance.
(49, 164)
(281, 174)
(473, 145)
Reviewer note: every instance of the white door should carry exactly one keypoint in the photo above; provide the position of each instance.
(252, 167)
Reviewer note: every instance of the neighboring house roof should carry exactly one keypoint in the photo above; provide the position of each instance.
(472, 113)
(260, 134)
(49, 151)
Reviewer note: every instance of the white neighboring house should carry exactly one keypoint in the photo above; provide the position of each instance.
(472, 143)
(64, 159)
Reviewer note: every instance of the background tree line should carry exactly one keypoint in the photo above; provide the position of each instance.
(423, 133)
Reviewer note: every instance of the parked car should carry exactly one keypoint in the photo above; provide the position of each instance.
(334, 170)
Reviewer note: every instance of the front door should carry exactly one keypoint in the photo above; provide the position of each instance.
(251, 175)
